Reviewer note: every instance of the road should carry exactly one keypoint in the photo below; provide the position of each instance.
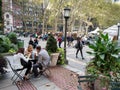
(75, 64)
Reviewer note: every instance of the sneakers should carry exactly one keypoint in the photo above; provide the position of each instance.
(82, 58)
(38, 75)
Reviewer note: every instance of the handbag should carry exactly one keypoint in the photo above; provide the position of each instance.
(76, 45)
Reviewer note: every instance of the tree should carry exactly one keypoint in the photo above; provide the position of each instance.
(1, 17)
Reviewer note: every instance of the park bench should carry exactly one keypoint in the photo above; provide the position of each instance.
(88, 79)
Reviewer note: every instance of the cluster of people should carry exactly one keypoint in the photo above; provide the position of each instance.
(34, 42)
(70, 40)
(33, 61)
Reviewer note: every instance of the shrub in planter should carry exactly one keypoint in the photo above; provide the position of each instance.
(61, 60)
(51, 45)
(3, 63)
(5, 47)
(13, 48)
(13, 37)
(106, 57)
(4, 44)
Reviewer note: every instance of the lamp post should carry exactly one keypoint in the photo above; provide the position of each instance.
(118, 31)
(66, 16)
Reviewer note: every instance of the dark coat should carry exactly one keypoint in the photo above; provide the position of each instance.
(80, 45)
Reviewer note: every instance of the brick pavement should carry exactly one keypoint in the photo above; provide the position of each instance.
(25, 85)
(64, 78)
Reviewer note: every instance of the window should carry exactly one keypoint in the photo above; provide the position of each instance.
(7, 16)
(8, 22)
(5, 0)
(116, 0)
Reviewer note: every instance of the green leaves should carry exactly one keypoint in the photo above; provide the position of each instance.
(4, 44)
(51, 45)
(106, 55)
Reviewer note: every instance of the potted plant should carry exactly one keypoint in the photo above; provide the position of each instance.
(3, 64)
(106, 57)
(61, 59)
(51, 47)
(6, 48)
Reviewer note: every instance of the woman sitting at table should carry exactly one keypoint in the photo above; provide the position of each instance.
(23, 62)
(29, 52)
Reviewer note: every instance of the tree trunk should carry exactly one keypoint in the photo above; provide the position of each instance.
(56, 19)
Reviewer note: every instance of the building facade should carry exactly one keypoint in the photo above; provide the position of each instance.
(7, 14)
(116, 1)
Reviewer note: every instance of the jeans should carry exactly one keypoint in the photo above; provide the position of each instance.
(80, 52)
(35, 68)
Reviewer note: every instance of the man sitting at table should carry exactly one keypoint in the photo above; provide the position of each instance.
(43, 60)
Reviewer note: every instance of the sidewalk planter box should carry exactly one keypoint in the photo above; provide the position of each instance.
(20, 43)
(3, 64)
(54, 58)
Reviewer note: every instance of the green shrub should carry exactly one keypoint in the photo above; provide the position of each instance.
(4, 44)
(20, 44)
(3, 63)
(13, 47)
(51, 45)
(61, 59)
(13, 37)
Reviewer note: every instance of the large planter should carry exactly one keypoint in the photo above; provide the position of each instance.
(3, 64)
(54, 58)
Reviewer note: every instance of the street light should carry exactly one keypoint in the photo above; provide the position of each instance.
(118, 31)
(66, 16)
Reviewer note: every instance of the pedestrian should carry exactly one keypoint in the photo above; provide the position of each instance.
(68, 40)
(79, 47)
(43, 60)
(59, 41)
(31, 41)
(71, 40)
(35, 43)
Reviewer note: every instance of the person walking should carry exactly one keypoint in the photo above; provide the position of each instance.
(31, 41)
(59, 41)
(35, 42)
(79, 47)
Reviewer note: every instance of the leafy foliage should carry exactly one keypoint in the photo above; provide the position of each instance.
(106, 58)
(5, 47)
(61, 59)
(51, 45)
(13, 37)
(4, 44)
(3, 63)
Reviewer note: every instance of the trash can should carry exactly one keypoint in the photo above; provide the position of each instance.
(20, 43)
